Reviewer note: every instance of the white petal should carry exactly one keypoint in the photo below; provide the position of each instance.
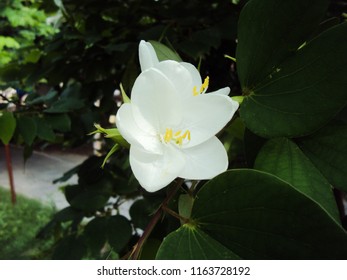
(133, 133)
(155, 101)
(180, 77)
(205, 161)
(205, 115)
(222, 91)
(148, 57)
(194, 73)
(155, 172)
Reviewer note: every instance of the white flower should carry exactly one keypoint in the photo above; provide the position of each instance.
(171, 123)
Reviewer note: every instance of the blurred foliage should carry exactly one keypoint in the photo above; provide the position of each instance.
(84, 55)
(94, 48)
(18, 228)
(21, 23)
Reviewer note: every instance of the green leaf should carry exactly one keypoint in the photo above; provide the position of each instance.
(116, 230)
(114, 149)
(86, 200)
(65, 105)
(185, 204)
(8, 42)
(150, 249)
(112, 133)
(47, 98)
(89, 201)
(67, 175)
(140, 213)
(253, 144)
(119, 232)
(125, 185)
(27, 128)
(60, 122)
(64, 215)
(7, 126)
(70, 248)
(327, 149)
(258, 216)
(270, 31)
(191, 243)
(284, 159)
(125, 98)
(96, 234)
(67, 214)
(33, 56)
(304, 92)
(164, 53)
(44, 130)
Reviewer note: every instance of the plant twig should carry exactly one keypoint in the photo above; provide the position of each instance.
(153, 222)
(176, 215)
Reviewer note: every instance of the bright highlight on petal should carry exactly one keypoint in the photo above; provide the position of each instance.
(171, 123)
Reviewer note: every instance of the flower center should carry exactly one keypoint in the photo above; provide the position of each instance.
(203, 87)
(178, 137)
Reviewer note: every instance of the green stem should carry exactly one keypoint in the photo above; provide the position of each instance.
(153, 222)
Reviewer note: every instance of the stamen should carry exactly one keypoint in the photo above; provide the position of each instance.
(195, 92)
(188, 135)
(168, 135)
(185, 134)
(177, 137)
(178, 133)
(203, 87)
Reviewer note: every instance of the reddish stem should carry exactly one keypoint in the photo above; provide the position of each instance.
(10, 173)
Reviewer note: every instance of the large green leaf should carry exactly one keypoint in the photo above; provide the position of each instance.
(284, 159)
(304, 92)
(7, 126)
(256, 215)
(271, 30)
(193, 244)
(327, 149)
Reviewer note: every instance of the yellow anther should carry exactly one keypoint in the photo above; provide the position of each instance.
(195, 92)
(205, 84)
(177, 137)
(168, 135)
(185, 134)
(178, 133)
(203, 87)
